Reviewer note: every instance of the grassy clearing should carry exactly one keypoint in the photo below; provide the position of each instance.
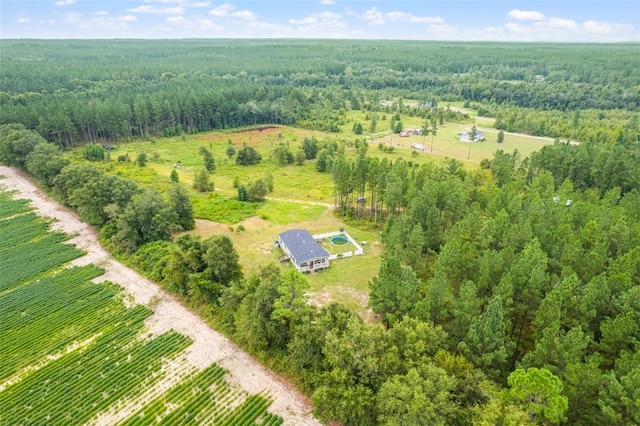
(446, 144)
(301, 194)
(346, 281)
(181, 154)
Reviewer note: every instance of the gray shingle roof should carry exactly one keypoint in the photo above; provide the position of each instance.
(302, 245)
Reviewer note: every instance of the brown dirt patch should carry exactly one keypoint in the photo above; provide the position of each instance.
(206, 228)
(257, 129)
(254, 223)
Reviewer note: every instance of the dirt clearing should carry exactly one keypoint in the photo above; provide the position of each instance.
(209, 346)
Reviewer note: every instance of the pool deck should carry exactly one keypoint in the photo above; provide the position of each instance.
(358, 250)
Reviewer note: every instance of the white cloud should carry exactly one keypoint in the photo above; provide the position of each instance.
(245, 14)
(374, 17)
(309, 20)
(184, 3)
(222, 10)
(328, 2)
(517, 28)
(328, 15)
(442, 28)
(525, 15)
(569, 24)
(408, 17)
(249, 20)
(23, 20)
(64, 3)
(321, 24)
(208, 24)
(178, 19)
(175, 10)
(554, 29)
(71, 18)
(127, 18)
(607, 28)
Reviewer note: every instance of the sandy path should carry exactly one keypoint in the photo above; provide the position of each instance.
(209, 346)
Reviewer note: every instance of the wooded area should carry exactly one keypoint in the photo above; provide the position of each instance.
(88, 90)
(508, 294)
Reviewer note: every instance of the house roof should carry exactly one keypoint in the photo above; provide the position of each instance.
(302, 245)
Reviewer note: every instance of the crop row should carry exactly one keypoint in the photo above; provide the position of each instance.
(205, 399)
(27, 260)
(83, 383)
(20, 229)
(57, 311)
(46, 310)
(10, 207)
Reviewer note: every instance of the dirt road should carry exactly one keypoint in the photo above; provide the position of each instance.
(209, 346)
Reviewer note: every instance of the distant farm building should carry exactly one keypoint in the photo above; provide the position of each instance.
(417, 146)
(304, 252)
(408, 132)
(466, 136)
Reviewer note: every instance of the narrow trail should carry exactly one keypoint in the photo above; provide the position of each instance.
(209, 346)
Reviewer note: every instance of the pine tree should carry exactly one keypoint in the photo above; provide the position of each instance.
(486, 343)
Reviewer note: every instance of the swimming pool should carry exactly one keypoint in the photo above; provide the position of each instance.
(339, 240)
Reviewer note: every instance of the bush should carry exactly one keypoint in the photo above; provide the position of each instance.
(201, 181)
(141, 159)
(257, 191)
(247, 156)
(93, 152)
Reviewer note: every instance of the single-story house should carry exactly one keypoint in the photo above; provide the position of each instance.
(305, 253)
(465, 136)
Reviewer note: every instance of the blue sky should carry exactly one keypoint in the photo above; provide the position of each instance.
(533, 20)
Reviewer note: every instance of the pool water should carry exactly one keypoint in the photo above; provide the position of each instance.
(339, 240)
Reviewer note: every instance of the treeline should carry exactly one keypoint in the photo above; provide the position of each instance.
(606, 167)
(90, 90)
(593, 126)
(126, 215)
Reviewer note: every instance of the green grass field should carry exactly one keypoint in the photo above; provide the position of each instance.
(301, 195)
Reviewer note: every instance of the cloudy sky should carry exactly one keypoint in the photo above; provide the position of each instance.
(533, 20)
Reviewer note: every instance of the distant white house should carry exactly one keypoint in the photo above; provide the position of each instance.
(304, 252)
(417, 146)
(405, 133)
(466, 136)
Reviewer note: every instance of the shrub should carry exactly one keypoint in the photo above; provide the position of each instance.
(93, 152)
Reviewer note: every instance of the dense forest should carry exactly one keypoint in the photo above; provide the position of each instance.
(507, 294)
(88, 90)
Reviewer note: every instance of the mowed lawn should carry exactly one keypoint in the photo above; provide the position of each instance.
(346, 281)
